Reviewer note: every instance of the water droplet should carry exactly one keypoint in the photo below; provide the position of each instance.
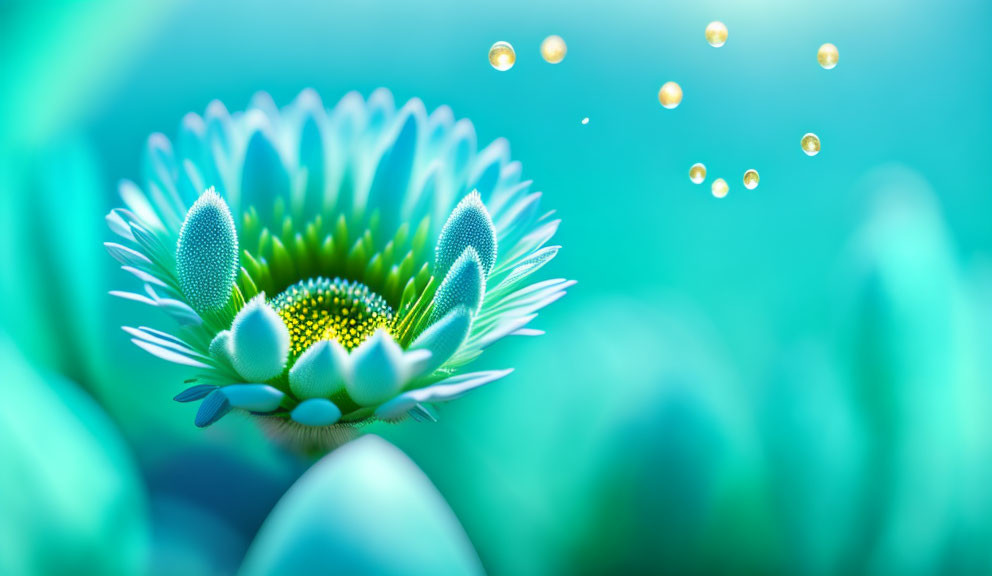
(502, 56)
(720, 188)
(553, 49)
(670, 95)
(585, 120)
(827, 56)
(697, 173)
(716, 34)
(751, 179)
(810, 144)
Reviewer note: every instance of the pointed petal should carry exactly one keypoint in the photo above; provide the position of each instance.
(469, 225)
(264, 177)
(167, 354)
(444, 337)
(207, 254)
(377, 370)
(443, 391)
(259, 341)
(320, 371)
(464, 285)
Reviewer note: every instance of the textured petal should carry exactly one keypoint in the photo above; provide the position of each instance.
(316, 412)
(259, 341)
(364, 509)
(377, 370)
(193, 393)
(220, 348)
(320, 371)
(444, 337)
(464, 285)
(468, 226)
(253, 397)
(214, 407)
(207, 255)
(443, 391)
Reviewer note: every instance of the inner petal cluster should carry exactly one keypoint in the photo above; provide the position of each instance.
(331, 309)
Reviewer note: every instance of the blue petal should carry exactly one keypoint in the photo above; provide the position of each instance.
(464, 285)
(320, 371)
(214, 407)
(168, 354)
(253, 397)
(195, 393)
(207, 254)
(443, 391)
(391, 182)
(444, 337)
(377, 370)
(127, 256)
(316, 412)
(468, 225)
(264, 176)
(364, 509)
(488, 165)
(259, 341)
(312, 160)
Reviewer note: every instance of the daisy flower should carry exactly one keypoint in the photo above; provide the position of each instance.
(327, 268)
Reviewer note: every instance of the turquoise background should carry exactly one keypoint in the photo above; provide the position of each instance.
(792, 379)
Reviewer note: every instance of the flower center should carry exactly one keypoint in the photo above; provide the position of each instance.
(321, 309)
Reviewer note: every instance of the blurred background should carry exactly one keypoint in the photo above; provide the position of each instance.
(789, 380)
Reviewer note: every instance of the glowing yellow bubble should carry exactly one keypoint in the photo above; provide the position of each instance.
(553, 49)
(670, 95)
(716, 34)
(751, 179)
(697, 173)
(502, 56)
(827, 56)
(585, 120)
(719, 188)
(810, 144)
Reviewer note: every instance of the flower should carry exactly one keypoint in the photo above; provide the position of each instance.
(328, 268)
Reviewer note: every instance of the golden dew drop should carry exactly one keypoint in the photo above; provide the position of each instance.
(827, 56)
(716, 34)
(553, 49)
(670, 95)
(501, 56)
(810, 144)
(719, 188)
(697, 173)
(751, 179)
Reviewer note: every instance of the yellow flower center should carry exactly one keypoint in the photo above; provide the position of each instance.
(322, 309)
